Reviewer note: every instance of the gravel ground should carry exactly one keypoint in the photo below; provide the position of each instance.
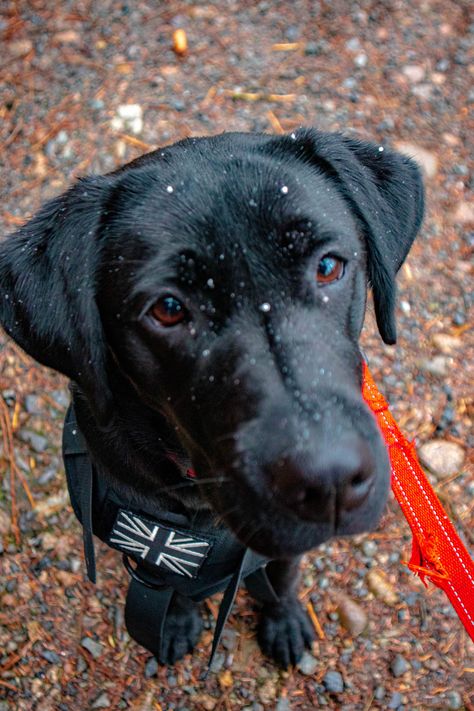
(89, 85)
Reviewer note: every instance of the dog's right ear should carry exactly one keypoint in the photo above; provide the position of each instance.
(47, 289)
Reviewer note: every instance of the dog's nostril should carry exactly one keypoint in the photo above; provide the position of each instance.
(315, 484)
(355, 489)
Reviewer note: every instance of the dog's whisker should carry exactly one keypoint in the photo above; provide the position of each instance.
(180, 485)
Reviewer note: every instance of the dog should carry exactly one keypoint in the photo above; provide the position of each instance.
(206, 302)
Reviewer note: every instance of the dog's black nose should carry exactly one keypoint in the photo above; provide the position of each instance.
(324, 483)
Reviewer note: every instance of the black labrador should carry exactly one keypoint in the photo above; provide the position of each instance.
(206, 302)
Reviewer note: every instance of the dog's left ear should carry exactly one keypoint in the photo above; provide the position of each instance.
(47, 289)
(385, 191)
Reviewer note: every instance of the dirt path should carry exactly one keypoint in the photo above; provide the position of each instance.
(89, 85)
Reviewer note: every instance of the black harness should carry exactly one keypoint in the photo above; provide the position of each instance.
(172, 553)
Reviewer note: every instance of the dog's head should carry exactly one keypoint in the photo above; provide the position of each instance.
(226, 279)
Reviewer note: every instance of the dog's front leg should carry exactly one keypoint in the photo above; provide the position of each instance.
(284, 629)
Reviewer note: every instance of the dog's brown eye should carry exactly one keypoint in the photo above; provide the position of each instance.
(329, 269)
(168, 311)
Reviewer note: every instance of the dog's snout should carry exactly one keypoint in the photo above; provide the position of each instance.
(324, 484)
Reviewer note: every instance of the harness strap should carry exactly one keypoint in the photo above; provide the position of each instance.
(146, 609)
(79, 470)
(226, 606)
(148, 600)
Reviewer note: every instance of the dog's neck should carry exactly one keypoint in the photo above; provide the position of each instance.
(133, 451)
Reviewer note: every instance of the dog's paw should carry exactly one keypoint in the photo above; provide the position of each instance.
(284, 631)
(182, 628)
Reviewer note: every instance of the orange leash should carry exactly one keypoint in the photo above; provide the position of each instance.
(437, 551)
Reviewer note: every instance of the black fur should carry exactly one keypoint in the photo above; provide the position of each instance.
(265, 404)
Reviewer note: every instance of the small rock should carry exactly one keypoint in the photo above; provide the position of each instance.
(454, 700)
(414, 72)
(399, 666)
(205, 702)
(283, 704)
(61, 397)
(81, 664)
(229, 638)
(442, 458)
(333, 682)
(151, 667)
(369, 548)
(5, 523)
(439, 365)
(33, 404)
(307, 664)
(268, 692)
(37, 442)
(379, 693)
(67, 37)
(361, 59)
(128, 117)
(47, 475)
(95, 648)
(20, 47)
(351, 615)
(427, 160)
(312, 49)
(101, 702)
(380, 586)
(50, 656)
(218, 662)
(395, 701)
(446, 343)
(464, 213)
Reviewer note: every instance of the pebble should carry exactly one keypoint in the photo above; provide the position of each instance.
(395, 701)
(36, 441)
(61, 397)
(33, 404)
(218, 662)
(351, 615)
(464, 213)
(95, 648)
(361, 59)
(101, 702)
(414, 72)
(333, 682)
(283, 704)
(454, 700)
(379, 693)
(128, 117)
(445, 343)
(307, 664)
(151, 668)
(312, 49)
(441, 457)
(50, 656)
(20, 47)
(439, 365)
(399, 666)
(427, 160)
(5, 523)
(229, 638)
(47, 475)
(369, 548)
(81, 664)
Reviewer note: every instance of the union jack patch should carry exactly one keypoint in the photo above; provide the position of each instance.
(156, 544)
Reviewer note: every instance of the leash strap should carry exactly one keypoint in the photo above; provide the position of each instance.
(437, 551)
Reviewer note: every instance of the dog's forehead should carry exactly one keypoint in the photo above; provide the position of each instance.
(211, 202)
